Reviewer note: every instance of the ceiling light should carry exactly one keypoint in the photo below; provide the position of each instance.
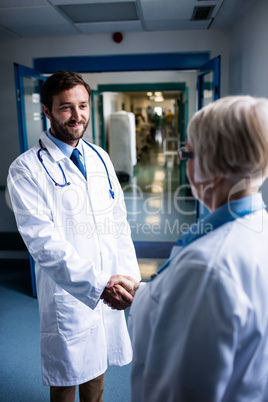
(159, 99)
(103, 12)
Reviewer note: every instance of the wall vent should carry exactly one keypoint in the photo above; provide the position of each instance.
(202, 13)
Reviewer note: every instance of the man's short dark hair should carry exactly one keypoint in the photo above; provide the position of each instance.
(58, 82)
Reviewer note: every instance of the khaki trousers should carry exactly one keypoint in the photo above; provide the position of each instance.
(90, 391)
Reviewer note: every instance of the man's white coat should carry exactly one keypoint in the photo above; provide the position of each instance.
(78, 236)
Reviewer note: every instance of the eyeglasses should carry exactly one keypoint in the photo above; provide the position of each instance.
(184, 154)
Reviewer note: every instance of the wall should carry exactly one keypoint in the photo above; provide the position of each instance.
(248, 52)
(249, 57)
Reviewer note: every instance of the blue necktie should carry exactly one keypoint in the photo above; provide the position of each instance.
(76, 160)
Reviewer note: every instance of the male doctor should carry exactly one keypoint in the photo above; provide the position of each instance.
(70, 211)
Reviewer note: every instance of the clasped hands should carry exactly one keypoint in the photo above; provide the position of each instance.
(119, 292)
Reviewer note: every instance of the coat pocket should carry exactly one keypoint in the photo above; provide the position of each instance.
(74, 317)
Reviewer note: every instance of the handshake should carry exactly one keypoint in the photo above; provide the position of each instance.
(119, 292)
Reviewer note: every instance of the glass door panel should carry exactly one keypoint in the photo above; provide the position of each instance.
(98, 129)
(208, 94)
(31, 120)
(208, 82)
(33, 110)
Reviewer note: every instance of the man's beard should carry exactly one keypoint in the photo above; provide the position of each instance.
(61, 130)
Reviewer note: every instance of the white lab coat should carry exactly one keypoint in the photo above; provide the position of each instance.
(78, 236)
(199, 330)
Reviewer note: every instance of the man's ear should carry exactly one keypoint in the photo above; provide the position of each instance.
(46, 111)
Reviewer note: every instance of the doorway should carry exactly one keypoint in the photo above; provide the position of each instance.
(155, 195)
(146, 64)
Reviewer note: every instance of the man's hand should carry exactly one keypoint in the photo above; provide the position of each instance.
(126, 282)
(119, 291)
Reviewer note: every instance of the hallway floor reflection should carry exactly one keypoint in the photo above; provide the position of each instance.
(158, 209)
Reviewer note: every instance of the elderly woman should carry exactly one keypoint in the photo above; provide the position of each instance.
(199, 328)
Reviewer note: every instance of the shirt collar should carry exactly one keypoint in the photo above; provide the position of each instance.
(65, 148)
(226, 213)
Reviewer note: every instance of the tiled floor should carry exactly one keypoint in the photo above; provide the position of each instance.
(158, 209)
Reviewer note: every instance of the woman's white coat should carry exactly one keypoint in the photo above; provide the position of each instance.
(199, 330)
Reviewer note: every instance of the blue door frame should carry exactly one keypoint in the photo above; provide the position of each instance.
(21, 72)
(127, 62)
(161, 86)
(116, 63)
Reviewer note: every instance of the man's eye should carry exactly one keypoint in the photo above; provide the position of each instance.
(83, 106)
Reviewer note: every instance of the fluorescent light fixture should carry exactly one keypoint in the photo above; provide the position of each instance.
(102, 12)
(159, 99)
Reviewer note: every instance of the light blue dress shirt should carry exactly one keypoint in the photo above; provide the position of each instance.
(68, 149)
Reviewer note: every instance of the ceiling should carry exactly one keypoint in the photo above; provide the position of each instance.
(32, 18)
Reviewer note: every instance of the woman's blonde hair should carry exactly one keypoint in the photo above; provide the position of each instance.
(230, 138)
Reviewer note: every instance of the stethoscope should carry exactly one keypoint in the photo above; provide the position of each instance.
(67, 183)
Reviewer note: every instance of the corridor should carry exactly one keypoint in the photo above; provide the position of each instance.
(159, 207)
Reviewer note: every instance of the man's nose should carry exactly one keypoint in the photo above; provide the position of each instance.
(76, 114)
